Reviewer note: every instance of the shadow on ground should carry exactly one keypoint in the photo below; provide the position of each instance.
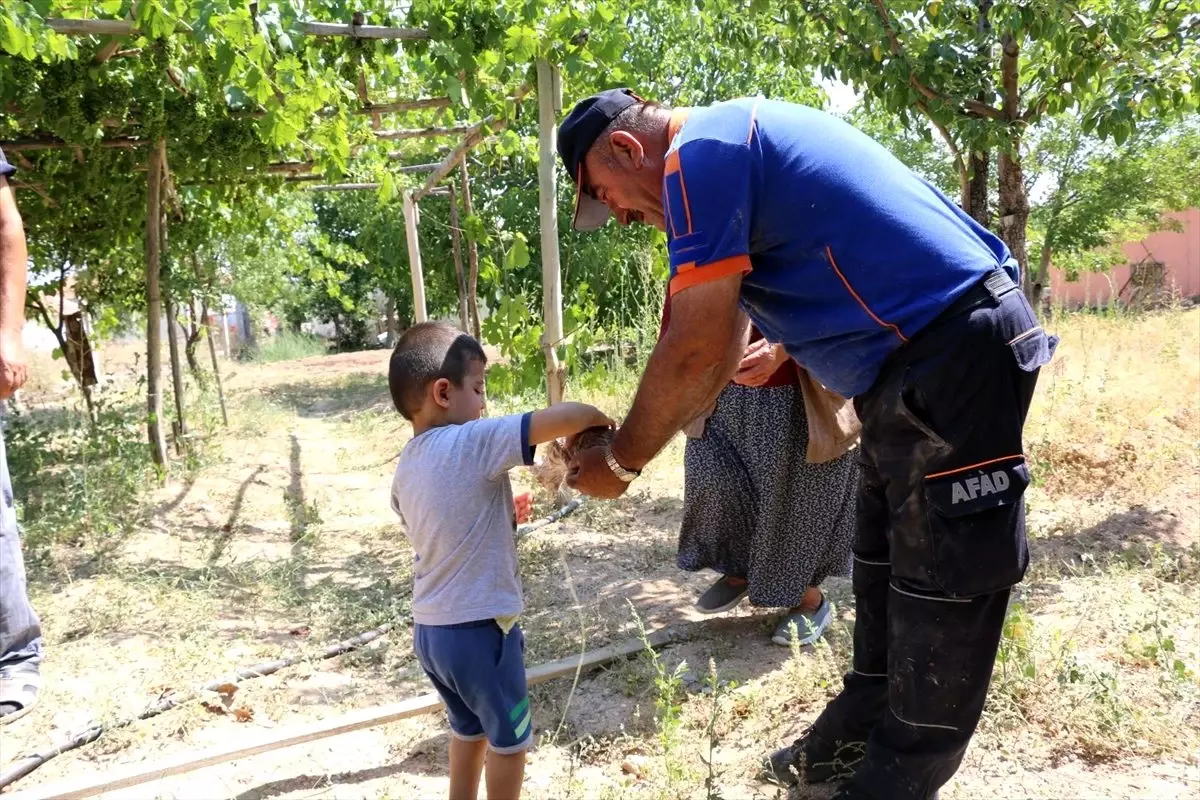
(1136, 536)
(317, 399)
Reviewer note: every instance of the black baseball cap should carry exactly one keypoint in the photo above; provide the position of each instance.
(576, 135)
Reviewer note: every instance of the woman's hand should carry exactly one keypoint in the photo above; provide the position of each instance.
(759, 363)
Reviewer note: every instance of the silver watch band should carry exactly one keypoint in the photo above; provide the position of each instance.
(626, 475)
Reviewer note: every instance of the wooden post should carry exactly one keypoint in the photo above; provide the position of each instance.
(414, 259)
(212, 347)
(225, 330)
(456, 246)
(212, 352)
(548, 207)
(180, 427)
(154, 180)
(472, 259)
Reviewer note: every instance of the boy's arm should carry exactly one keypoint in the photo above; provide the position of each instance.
(500, 443)
(564, 419)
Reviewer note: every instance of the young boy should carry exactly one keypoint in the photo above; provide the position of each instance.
(452, 490)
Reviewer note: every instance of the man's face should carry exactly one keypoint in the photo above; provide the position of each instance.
(628, 183)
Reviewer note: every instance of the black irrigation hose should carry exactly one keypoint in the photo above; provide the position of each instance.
(566, 511)
(27, 764)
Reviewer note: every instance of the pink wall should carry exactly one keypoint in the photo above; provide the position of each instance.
(1179, 251)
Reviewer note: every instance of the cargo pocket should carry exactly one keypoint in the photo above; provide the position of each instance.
(1033, 349)
(977, 526)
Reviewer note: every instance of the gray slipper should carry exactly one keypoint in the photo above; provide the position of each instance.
(808, 625)
(19, 686)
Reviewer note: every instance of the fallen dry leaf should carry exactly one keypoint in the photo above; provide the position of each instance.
(301, 630)
(213, 708)
(243, 714)
(227, 690)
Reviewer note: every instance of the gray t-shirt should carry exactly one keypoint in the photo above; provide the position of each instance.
(451, 489)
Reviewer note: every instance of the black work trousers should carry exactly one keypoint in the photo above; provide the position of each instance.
(940, 541)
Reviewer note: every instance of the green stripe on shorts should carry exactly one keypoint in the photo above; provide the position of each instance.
(520, 709)
(524, 726)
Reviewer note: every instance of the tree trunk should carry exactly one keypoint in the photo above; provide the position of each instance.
(977, 189)
(190, 344)
(393, 330)
(1014, 201)
(154, 431)
(1035, 288)
(460, 276)
(1014, 204)
(63, 346)
(472, 259)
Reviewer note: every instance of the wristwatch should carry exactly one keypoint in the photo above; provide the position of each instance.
(626, 475)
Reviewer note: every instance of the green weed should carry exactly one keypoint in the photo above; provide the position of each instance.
(285, 346)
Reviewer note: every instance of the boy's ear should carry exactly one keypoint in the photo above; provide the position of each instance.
(441, 392)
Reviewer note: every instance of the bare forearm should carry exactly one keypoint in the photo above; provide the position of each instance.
(12, 264)
(681, 380)
(562, 420)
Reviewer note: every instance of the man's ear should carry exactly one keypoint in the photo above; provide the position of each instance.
(627, 149)
(441, 392)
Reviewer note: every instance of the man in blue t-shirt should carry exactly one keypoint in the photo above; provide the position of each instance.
(886, 292)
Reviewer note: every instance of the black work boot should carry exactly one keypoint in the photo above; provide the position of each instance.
(812, 760)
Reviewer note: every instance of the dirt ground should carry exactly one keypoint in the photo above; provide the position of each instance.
(282, 542)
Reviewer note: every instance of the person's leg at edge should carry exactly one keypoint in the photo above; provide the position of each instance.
(941, 653)
(842, 729)
(831, 749)
(505, 773)
(466, 767)
(20, 629)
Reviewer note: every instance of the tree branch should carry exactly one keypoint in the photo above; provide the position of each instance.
(968, 106)
(959, 163)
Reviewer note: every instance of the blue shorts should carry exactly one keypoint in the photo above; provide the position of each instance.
(480, 674)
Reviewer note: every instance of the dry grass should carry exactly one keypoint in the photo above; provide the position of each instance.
(282, 541)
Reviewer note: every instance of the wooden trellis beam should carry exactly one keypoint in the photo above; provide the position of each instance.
(356, 187)
(30, 145)
(475, 135)
(423, 133)
(400, 106)
(118, 27)
(130, 142)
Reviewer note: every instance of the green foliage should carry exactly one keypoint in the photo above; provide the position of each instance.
(77, 483)
(1114, 63)
(1106, 193)
(287, 346)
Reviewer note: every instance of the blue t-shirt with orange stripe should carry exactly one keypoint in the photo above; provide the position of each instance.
(845, 252)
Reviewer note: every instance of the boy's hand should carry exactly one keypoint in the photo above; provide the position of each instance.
(565, 419)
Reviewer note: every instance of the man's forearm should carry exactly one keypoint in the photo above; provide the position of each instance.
(13, 256)
(681, 380)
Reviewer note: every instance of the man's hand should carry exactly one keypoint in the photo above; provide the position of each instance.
(759, 363)
(13, 372)
(589, 473)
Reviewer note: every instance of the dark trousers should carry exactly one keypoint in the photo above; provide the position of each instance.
(940, 541)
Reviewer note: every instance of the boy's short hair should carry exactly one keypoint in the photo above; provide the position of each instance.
(425, 353)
